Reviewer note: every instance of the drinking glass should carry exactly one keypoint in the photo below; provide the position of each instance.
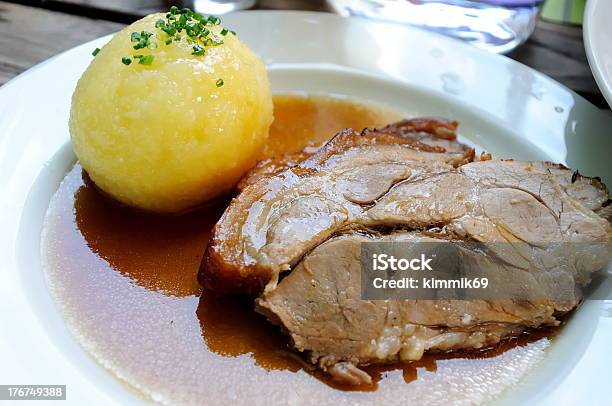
(496, 25)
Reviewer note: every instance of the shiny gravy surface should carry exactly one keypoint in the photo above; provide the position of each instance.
(125, 282)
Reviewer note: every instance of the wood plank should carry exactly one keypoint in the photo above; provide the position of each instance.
(30, 35)
(555, 50)
(135, 7)
(119, 10)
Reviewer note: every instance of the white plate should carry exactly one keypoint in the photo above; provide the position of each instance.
(509, 109)
(598, 43)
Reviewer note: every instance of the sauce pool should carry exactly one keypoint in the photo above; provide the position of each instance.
(126, 284)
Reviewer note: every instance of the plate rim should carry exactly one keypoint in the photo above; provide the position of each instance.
(19, 81)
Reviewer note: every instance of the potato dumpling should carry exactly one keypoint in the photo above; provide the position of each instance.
(178, 129)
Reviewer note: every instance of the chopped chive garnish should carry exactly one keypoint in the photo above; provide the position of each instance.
(142, 39)
(182, 22)
(198, 50)
(95, 51)
(193, 30)
(219, 82)
(146, 60)
(196, 29)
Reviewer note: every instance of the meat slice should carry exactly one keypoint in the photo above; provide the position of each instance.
(542, 228)
(431, 134)
(274, 166)
(270, 225)
(319, 305)
(552, 240)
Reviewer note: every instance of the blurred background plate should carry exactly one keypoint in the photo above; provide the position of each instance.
(598, 43)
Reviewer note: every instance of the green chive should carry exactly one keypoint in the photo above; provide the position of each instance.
(95, 51)
(182, 21)
(169, 29)
(198, 50)
(176, 20)
(198, 17)
(219, 82)
(146, 60)
(194, 30)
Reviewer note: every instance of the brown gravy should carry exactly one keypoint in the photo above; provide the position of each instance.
(126, 281)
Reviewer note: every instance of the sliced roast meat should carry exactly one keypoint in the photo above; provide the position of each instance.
(273, 166)
(270, 225)
(590, 192)
(542, 231)
(319, 305)
(431, 134)
(543, 228)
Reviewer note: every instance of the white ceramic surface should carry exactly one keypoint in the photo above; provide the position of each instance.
(506, 107)
(598, 43)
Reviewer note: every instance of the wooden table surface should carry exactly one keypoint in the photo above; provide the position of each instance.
(33, 30)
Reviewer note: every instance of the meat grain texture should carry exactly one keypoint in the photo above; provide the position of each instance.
(292, 238)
